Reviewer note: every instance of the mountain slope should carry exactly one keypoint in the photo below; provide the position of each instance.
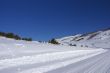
(33, 57)
(98, 39)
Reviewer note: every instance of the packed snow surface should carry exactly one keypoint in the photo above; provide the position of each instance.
(34, 57)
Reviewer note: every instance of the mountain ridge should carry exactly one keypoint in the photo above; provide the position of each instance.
(97, 39)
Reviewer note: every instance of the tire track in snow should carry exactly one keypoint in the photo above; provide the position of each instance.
(96, 64)
(42, 58)
(17, 69)
(47, 68)
(101, 66)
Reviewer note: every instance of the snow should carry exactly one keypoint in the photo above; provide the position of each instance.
(47, 68)
(34, 57)
(99, 39)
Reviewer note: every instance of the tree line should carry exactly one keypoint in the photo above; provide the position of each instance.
(17, 37)
(14, 36)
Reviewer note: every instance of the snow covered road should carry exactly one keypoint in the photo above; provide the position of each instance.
(58, 62)
(97, 64)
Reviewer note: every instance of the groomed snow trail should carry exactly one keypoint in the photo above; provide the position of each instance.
(50, 62)
(97, 64)
(58, 67)
(47, 57)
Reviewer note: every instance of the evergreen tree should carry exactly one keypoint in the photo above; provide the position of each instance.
(2, 34)
(17, 37)
(10, 35)
(27, 39)
(53, 41)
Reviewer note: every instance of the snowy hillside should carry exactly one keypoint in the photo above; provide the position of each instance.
(98, 39)
(34, 57)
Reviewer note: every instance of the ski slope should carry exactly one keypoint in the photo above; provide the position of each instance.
(35, 57)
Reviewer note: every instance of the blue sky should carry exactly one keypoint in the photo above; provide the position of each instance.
(46, 19)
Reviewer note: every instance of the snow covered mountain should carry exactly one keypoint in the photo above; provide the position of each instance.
(18, 56)
(98, 39)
